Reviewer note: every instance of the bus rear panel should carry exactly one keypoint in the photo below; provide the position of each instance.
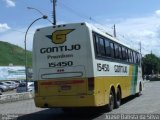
(63, 67)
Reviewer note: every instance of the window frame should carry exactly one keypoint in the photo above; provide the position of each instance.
(125, 54)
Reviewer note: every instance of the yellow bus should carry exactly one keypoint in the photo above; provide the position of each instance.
(77, 65)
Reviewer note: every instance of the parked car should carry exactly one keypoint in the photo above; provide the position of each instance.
(4, 87)
(12, 83)
(11, 87)
(17, 82)
(22, 87)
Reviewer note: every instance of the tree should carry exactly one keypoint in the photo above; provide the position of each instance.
(151, 64)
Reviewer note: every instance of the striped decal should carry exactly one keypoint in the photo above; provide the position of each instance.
(62, 82)
(134, 79)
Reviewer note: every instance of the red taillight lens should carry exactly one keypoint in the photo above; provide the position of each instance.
(90, 83)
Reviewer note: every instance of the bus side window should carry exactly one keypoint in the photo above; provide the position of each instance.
(134, 57)
(96, 44)
(137, 58)
(107, 48)
(101, 46)
(120, 52)
(126, 50)
(112, 49)
(116, 51)
(129, 55)
(123, 53)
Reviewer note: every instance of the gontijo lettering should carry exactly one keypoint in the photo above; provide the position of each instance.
(60, 49)
(121, 69)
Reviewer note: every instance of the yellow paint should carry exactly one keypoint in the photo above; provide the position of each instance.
(79, 95)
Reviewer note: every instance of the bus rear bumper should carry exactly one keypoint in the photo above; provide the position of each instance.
(66, 101)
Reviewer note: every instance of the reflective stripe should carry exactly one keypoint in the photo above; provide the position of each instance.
(62, 82)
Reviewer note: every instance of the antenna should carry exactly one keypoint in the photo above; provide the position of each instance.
(114, 30)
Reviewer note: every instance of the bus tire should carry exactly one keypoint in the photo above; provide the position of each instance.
(118, 98)
(110, 105)
(140, 90)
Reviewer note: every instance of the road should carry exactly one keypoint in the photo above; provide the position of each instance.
(148, 103)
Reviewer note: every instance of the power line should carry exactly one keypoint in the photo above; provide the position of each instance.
(73, 11)
(25, 3)
(80, 14)
(32, 8)
(91, 19)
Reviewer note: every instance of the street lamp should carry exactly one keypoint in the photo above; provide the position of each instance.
(43, 17)
(32, 8)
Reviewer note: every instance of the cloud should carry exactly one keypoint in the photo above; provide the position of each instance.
(10, 3)
(4, 27)
(16, 37)
(157, 12)
(145, 29)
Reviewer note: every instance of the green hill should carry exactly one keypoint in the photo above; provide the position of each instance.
(10, 53)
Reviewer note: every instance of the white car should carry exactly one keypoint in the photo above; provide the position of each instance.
(22, 87)
(12, 83)
(9, 86)
(3, 87)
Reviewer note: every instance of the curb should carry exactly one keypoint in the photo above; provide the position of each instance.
(15, 97)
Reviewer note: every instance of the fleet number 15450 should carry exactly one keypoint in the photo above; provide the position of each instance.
(61, 64)
(102, 67)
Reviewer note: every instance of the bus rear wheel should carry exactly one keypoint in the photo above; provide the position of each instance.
(140, 90)
(118, 98)
(111, 101)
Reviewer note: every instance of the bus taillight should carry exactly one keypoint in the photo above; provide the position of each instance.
(91, 83)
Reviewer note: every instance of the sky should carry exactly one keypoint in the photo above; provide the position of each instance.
(136, 20)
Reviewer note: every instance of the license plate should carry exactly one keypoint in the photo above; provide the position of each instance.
(65, 87)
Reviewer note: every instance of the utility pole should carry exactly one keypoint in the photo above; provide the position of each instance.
(54, 11)
(114, 30)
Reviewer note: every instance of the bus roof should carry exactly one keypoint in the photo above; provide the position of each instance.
(92, 28)
(107, 35)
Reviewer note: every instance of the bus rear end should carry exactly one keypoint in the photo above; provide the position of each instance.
(62, 66)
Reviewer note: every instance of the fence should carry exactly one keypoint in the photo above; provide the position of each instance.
(15, 97)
